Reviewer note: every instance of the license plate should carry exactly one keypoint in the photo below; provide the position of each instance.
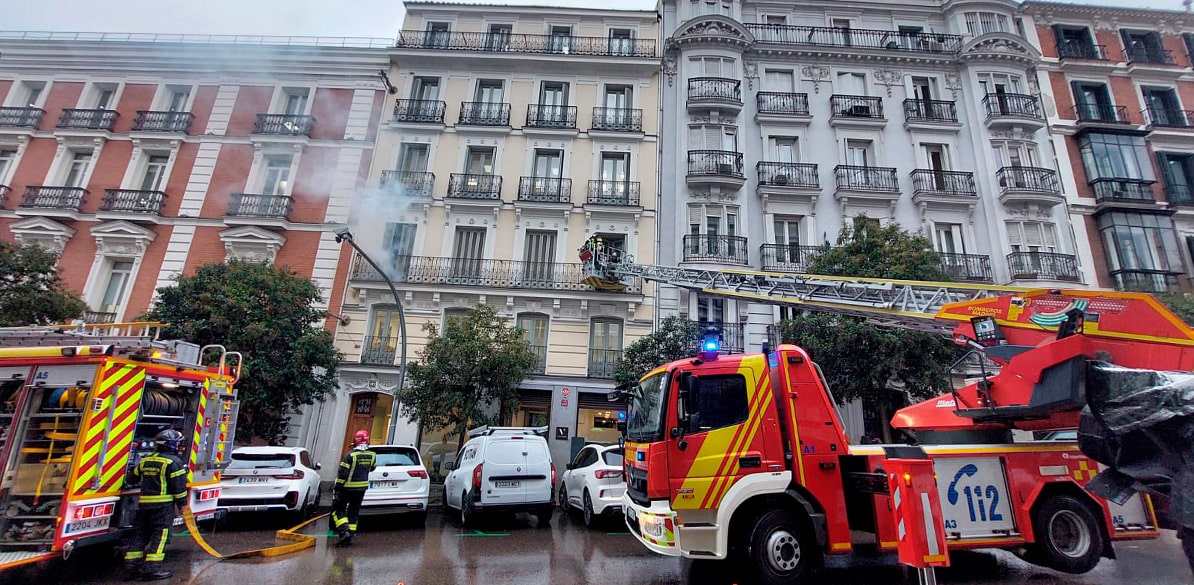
(90, 525)
(252, 480)
(393, 483)
(507, 484)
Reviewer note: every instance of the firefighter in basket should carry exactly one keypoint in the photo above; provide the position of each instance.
(352, 480)
(162, 477)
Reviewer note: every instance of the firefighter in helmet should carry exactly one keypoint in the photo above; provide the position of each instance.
(351, 482)
(162, 477)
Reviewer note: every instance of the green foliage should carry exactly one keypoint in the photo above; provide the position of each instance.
(675, 339)
(269, 315)
(1182, 305)
(475, 363)
(872, 251)
(31, 293)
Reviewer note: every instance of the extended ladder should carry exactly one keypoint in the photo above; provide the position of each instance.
(132, 335)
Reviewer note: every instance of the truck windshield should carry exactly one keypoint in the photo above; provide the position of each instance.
(645, 416)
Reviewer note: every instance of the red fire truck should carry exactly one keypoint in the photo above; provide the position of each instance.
(745, 456)
(79, 406)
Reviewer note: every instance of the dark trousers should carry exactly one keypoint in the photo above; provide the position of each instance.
(151, 530)
(346, 508)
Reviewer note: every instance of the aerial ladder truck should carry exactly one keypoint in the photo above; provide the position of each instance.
(745, 456)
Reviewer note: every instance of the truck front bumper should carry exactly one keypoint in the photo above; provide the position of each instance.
(654, 526)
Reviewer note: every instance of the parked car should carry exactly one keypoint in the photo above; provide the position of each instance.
(262, 479)
(593, 483)
(502, 469)
(398, 484)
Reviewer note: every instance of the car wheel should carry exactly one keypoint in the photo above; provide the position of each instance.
(589, 516)
(467, 514)
(444, 502)
(312, 504)
(564, 498)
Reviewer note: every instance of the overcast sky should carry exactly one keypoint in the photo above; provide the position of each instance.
(335, 18)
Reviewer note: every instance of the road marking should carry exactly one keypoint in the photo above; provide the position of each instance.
(616, 533)
(479, 533)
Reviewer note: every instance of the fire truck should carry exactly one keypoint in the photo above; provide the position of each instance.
(79, 407)
(745, 456)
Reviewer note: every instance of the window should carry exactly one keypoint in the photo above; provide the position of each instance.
(29, 94)
(382, 341)
(924, 88)
(851, 84)
(548, 163)
(775, 19)
(784, 149)
(619, 96)
(858, 152)
(1178, 172)
(1031, 236)
(1164, 109)
(605, 347)
(713, 230)
(561, 39)
(713, 67)
(76, 170)
(937, 157)
(104, 96)
(1139, 242)
(1115, 156)
(553, 93)
(779, 80)
(615, 167)
(119, 273)
(499, 36)
(425, 89)
(412, 158)
(399, 242)
(277, 175)
(713, 137)
(460, 314)
(710, 310)
(468, 251)
(1093, 101)
(621, 41)
(1145, 46)
(1011, 154)
(7, 161)
(716, 402)
(539, 255)
(842, 34)
(534, 327)
(489, 91)
(1075, 41)
(294, 101)
(479, 160)
(947, 238)
(787, 230)
(155, 172)
(438, 35)
(177, 98)
(998, 83)
(981, 23)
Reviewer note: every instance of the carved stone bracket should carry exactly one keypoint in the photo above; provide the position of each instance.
(669, 68)
(889, 78)
(751, 72)
(953, 83)
(815, 74)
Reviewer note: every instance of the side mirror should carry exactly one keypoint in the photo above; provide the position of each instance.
(568, 467)
(449, 465)
(318, 466)
(688, 384)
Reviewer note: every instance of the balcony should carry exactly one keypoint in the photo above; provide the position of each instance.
(943, 187)
(379, 351)
(409, 183)
(250, 205)
(967, 267)
(718, 93)
(856, 110)
(789, 257)
(789, 175)
(1152, 281)
(485, 273)
(45, 197)
(866, 179)
(283, 125)
(886, 40)
(1101, 114)
(21, 117)
(930, 113)
(617, 120)
(149, 121)
(1150, 56)
(604, 362)
(1043, 266)
(132, 201)
(1013, 109)
(716, 249)
(715, 167)
(1029, 185)
(484, 114)
(88, 119)
(1082, 51)
(98, 317)
(1179, 195)
(545, 190)
(782, 105)
(1168, 118)
(539, 44)
(553, 117)
(469, 186)
(733, 338)
(1123, 191)
(419, 111)
(614, 193)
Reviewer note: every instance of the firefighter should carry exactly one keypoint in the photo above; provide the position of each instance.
(163, 480)
(351, 482)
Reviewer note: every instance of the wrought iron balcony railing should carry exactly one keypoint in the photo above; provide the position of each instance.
(621, 193)
(721, 163)
(716, 249)
(419, 111)
(412, 183)
(856, 106)
(544, 116)
(959, 183)
(21, 117)
(478, 272)
(782, 103)
(283, 124)
(858, 178)
(484, 114)
(930, 110)
(1149, 55)
(1029, 179)
(733, 338)
(98, 317)
(1153, 281)
(49, 197)
(262, 206)
(379, 351)
(1101, 113)
(889, 40)
(1012, 104)
(150, 121)
(1169, 118)
(133, 201)
(967, 267)
(781, 174)
(1123, 191)
(618, 119)
(1179, 195)
(520, 43)
(1043, 266)
(88, 119)
(789, 257)
(1082, 51)
(714, 89)
(545, 190)
(604, 362)
(470, 186)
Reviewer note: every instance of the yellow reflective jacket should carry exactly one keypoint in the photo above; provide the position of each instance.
(163, 479)
(355, 468)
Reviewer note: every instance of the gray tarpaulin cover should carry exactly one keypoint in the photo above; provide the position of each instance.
(1140, 423)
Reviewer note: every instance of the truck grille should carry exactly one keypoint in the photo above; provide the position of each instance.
(636, 486)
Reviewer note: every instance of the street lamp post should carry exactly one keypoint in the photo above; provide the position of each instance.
(343, 235)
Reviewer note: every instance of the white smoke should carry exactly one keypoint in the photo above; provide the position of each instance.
(370, 216)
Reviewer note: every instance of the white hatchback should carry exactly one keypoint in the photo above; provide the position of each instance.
(260, 479)
(398, 483)
(593, 483)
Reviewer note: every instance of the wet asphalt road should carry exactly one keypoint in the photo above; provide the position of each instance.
(518, 552)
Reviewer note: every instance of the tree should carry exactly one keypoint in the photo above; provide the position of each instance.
(1182, 304)
(675, 339)
(269, 315)
(864, 361)
(31, 292)
(475, 363)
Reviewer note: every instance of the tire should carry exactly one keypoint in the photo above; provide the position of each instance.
(779, 551)
(312, 505)
(544, 517)
(563, 497)
(468, 516)
(1068, 536)
(444, 503)
(590, 518)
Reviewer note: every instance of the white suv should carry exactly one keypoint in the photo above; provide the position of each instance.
(398, 483)
(502, 469)
(593, 483)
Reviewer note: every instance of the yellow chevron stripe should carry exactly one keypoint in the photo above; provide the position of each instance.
(751, 431)
(199, 424)
(758, 403)
(97, 421)
(119, 437)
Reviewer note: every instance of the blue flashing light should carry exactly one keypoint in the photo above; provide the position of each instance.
(711, 345)
(621, 416)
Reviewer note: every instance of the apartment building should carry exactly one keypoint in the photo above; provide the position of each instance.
(1121, 82)
(513, 134)
(789, 119)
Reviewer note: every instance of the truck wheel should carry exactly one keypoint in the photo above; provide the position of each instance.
(779, 550)
(1068, 537)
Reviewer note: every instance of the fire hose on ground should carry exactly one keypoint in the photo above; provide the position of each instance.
(296, 543)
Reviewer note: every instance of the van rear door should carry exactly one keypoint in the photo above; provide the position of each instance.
(504, 476)
(538, 484)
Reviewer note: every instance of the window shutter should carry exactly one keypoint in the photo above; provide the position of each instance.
(1014, 236)
(1049, 231)
(1057, 34)
(1032, 234)
(696, 214)
(713, 137)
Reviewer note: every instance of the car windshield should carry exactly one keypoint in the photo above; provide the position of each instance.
(612, 457)
(645, 415)
(261, 461)
(396, 456)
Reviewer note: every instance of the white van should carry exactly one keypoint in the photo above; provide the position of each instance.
(502, 469)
